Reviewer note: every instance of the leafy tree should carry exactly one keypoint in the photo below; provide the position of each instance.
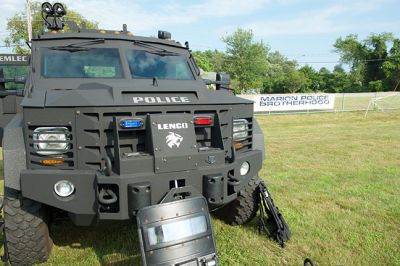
(391, 67)
(246, 60)
(312, 79)
(217, 60)
(376, 46)
(211, 60)
(370, 60)
(351, 51)
(376, 85)
(203, 61)
(294, 81)
(282, 75)
(17, 26)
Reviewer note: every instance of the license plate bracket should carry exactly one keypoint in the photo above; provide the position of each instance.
(174, 142)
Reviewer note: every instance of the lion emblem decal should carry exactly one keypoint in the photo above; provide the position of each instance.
(173, 139)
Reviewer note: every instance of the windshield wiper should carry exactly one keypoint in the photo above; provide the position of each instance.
(79, 46)
(156, 50)
(70, 49)
(163, 53)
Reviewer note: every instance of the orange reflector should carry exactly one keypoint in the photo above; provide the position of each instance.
(202, 120)
(238, 145)
(56, 156)
(51, 162)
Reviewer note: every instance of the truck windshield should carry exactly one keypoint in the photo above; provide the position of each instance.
(163, 65)
(81, 63)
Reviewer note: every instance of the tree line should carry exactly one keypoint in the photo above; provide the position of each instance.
(374, 65)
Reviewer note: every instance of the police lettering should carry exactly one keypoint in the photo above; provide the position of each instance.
(173, 99)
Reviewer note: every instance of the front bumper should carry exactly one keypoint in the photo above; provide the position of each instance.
(135, 191)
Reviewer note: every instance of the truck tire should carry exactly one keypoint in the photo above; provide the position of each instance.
(244, 208)
(26, 229)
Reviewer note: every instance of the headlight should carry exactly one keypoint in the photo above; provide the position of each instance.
(240, 129)
(177, 230)
(51, 140)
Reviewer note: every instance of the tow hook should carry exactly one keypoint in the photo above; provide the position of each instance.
(107, 196)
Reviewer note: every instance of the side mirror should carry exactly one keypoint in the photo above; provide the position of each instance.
(223, 81)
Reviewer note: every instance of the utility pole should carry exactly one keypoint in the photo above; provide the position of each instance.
(29, 19)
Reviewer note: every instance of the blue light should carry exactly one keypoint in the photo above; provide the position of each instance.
(134, 123)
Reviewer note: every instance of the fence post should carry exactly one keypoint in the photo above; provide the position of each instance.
(343, 102)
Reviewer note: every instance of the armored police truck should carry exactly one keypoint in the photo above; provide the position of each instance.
(113, 126)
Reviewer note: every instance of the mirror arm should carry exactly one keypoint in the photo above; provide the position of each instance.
(210, 82)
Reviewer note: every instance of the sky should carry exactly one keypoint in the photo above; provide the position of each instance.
(303, 30)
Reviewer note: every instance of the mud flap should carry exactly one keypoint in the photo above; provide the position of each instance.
(177, 233)
(271, 221)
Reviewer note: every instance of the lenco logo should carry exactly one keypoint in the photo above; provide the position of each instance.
(172, 126)
(173, 139)
(173, 99)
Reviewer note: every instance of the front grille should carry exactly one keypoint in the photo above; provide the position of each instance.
(97, 134)
(36, 160)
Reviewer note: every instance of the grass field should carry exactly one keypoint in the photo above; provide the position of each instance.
(335, 177)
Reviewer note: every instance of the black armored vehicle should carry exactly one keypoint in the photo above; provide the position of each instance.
(113, 126)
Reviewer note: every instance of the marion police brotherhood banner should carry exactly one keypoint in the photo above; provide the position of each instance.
(291, 102)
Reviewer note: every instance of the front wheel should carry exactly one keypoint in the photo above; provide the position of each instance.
(244, 208)
(26, 229)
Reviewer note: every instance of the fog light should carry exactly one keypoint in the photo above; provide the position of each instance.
(211, 262)
(64, 188)
(245, 168)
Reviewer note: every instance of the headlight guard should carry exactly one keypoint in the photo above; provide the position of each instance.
(51, 140)
(240, 129)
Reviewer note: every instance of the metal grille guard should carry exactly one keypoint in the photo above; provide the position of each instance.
(271, 220)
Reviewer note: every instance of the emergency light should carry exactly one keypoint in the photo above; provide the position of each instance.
(131, 123)
(202, 121)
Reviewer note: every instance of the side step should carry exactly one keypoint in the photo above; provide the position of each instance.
(271, 221)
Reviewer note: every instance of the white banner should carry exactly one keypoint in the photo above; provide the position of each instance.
(291, 102)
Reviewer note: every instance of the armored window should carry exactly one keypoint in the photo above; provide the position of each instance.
(81, 63)
(149, 64)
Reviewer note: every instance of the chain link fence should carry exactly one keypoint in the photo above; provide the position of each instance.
(347, 102)
(367, 101)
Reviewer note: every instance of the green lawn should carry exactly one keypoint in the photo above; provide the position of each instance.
(335, 177)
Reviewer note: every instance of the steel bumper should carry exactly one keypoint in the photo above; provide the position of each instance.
(210, 181)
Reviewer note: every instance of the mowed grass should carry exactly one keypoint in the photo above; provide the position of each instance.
(336, 179)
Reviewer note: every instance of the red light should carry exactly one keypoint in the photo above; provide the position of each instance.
(202, 121)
